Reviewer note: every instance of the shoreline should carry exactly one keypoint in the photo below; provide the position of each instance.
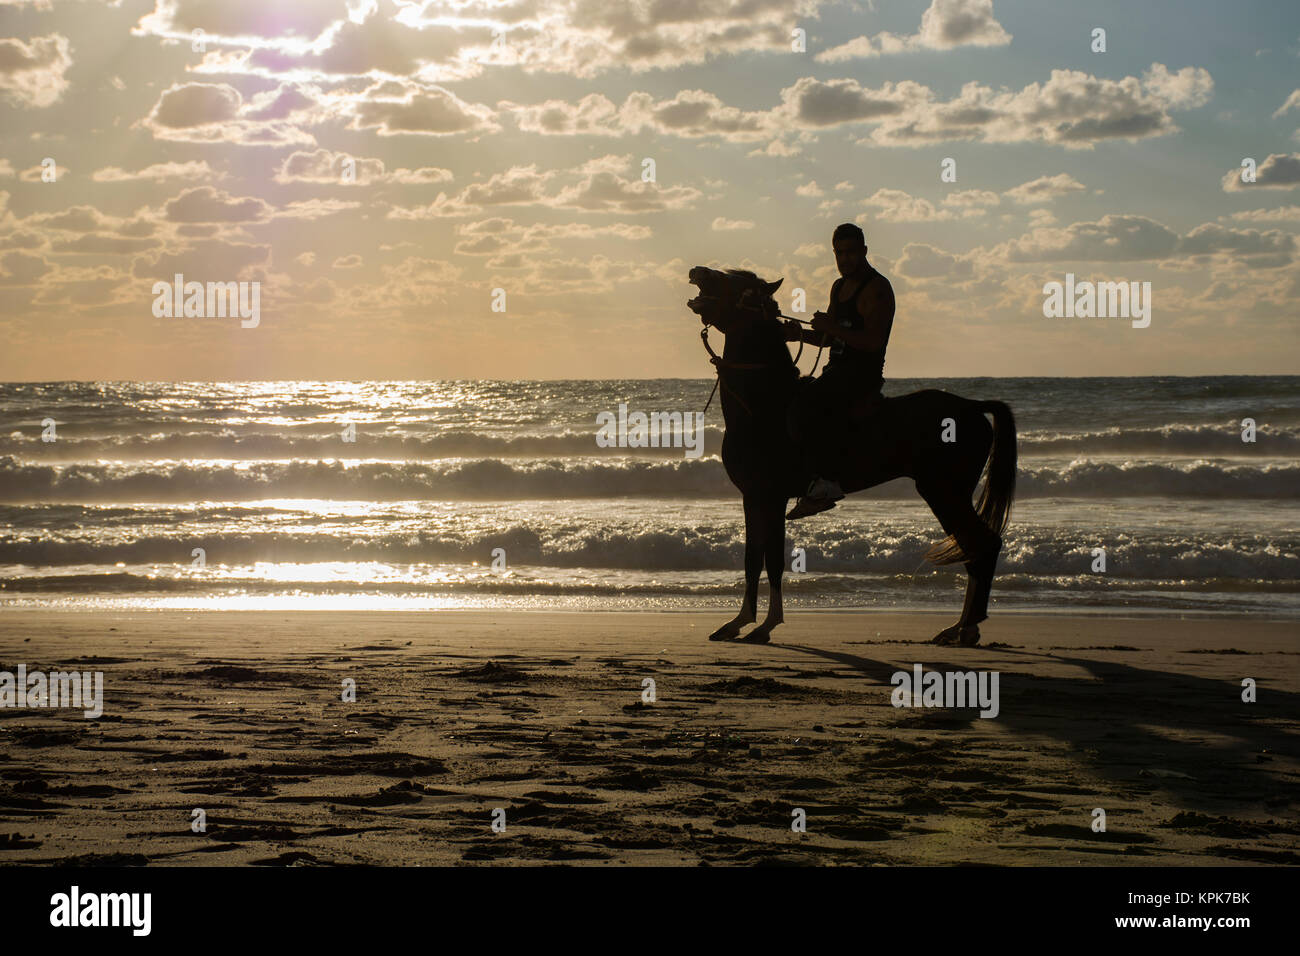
(793, 611)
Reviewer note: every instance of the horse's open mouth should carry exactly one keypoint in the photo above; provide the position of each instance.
(697, 277)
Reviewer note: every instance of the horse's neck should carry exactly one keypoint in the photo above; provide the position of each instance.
(753, 347)
(758, 387)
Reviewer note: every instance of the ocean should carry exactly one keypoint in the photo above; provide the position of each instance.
(483, 494)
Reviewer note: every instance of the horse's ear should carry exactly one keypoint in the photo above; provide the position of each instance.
(773, 286)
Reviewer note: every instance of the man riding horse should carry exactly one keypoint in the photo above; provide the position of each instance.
(857, 323)
(943, 442)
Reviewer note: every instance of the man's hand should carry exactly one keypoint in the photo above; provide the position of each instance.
(793, 330)
(823, 323)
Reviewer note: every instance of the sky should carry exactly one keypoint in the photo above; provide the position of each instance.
(461, 189)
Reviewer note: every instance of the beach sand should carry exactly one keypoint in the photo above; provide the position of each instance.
(457, 713)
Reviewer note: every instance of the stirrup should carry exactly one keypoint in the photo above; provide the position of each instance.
(811, 505)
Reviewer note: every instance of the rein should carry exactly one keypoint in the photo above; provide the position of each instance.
(719, 363)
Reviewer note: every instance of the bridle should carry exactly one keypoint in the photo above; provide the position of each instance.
(719, 363)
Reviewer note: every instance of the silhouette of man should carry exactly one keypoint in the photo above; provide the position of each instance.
(856, 327)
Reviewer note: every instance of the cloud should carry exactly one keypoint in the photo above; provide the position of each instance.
(36, 174)
(1129, 238)
(77, 230)
(815, 104)
(810, 189)
(446, 40)
(602, 186)
(968, 198)
(896, 205)
(1292, 102)
(419, 177)
(1072, 109)
(246, 20)
(419, 281)
(99, 245)
(1275, 214)
(21, 268)
(217, 113)
(1045, 189)
(1189, 88)
(689, 114)
(721, 224)
(196, 104)
(495, 236)
(605, 187)
(72, 219)
(278, 104)
(158, 172)
(694, 113)
(32, 74)
(204, 260)
(585, 38)
(314, 208)
(205, 204)
(923, 261)
(1112, 238)
(594, 114)
(1278, 171)
(945, 25)
(326, 167)
(430, 111)
(1259, 249)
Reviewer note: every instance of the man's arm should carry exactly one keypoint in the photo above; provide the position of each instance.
(875, 304)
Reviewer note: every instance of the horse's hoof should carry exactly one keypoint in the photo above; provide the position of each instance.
(970, 636)
(729, 631)
(948, 636)
(756, 637)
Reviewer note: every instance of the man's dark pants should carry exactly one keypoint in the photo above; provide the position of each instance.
(819, 422)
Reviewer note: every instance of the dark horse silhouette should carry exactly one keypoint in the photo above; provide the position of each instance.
(904, 436)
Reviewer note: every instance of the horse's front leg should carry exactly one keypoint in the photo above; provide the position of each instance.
(772, 516)
(753, 568)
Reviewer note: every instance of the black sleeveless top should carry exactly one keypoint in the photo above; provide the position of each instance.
(865, 367)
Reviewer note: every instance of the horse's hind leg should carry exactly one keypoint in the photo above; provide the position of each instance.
(981, 546)
(754, 542)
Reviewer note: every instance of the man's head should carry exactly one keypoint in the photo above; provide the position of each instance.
(850, 247)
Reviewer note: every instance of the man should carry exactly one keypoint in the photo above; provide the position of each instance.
(856, 327)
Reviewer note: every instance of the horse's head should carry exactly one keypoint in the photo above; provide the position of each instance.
(733, 299)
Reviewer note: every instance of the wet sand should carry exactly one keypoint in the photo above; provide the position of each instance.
(458, 714)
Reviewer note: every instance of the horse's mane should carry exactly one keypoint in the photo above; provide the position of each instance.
(764, 322)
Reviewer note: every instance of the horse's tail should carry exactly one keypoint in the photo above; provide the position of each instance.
(999, 490)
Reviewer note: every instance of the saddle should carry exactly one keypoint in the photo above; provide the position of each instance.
(851, 422)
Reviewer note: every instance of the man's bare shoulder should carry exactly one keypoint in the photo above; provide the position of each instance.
(878, 290)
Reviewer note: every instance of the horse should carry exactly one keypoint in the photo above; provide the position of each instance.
(943, 442)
